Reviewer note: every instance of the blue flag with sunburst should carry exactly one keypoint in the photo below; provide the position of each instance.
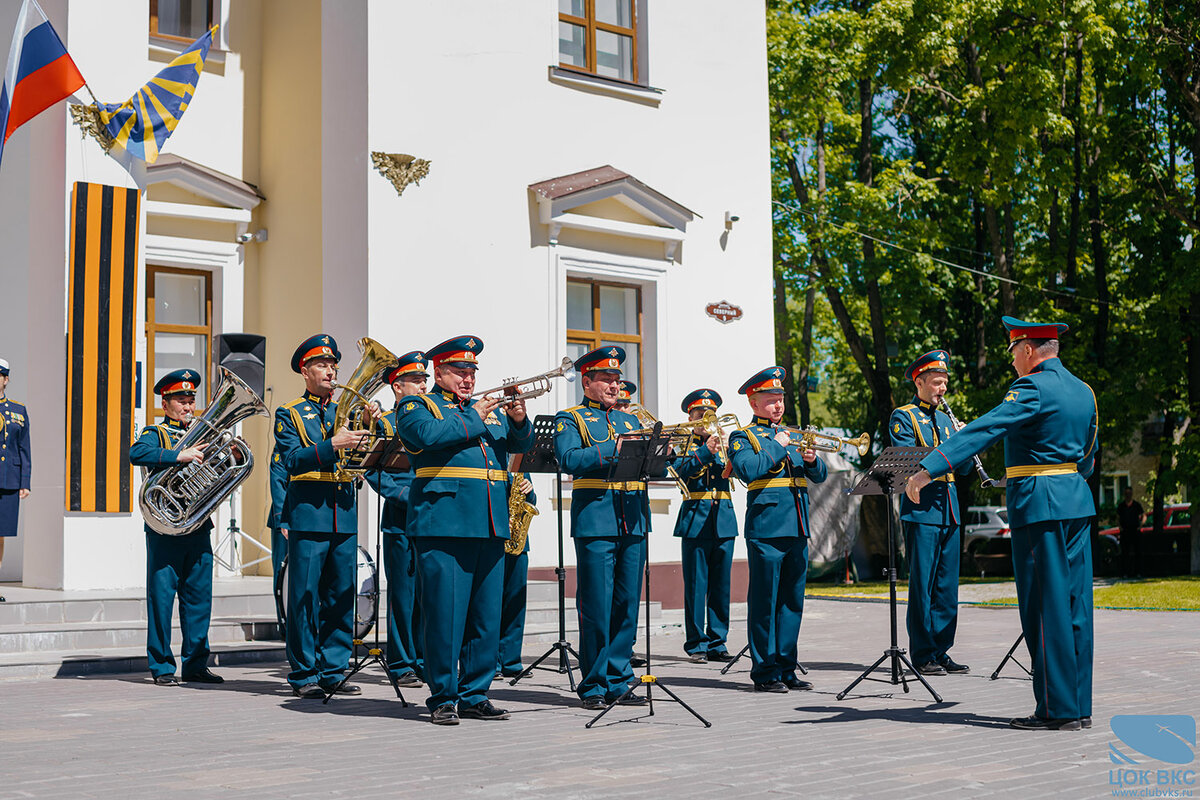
(142, 123)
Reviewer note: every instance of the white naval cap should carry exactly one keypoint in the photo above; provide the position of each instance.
(3, 367)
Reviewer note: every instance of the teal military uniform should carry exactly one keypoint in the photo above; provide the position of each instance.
(707, 528)
(322, 522)
(400, 566)
(458, 521)
(1048, 422)
(15, 463)
(777, 535)
(512, 604)
(278, 480)
(609, 522)
(175, 565)
(930, 529)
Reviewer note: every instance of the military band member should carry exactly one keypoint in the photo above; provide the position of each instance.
(176, 565)
(405, 666)
(776, 473)
(1048, 422)
(514, 597)
(931, 527)
(320, 516)
(609, 522)
(458, 521)
(15, 464)
(707, 528)
(625, 394)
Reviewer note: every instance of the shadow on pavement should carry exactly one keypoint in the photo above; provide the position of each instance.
(934, 713)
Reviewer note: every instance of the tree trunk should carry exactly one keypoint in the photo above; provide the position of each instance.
(1076, 171)
(783, 346)
(1165, 451)
(810, 299)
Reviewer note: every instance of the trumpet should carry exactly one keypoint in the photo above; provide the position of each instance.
(536, 386)
(812, 438)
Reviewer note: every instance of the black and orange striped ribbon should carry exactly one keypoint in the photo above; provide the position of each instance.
(101, 294)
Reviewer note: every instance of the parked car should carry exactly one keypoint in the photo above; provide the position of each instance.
(987, 548)
(1177, 517)
(1167, 553)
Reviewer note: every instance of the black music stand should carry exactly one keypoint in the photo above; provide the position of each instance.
(1010, 657)
(803, 669)
(384, 455)
(639, 457)
(887, 476)
(541, 459)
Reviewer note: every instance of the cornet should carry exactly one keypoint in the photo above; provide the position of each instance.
(812, 438)
(536, 386)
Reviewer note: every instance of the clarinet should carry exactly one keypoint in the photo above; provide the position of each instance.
(984, 480)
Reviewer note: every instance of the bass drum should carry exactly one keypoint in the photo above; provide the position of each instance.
(366, 603)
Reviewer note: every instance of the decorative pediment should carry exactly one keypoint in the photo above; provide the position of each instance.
(203, 181)
(579, 200)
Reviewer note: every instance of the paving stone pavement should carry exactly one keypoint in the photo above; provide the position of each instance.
(118, 737)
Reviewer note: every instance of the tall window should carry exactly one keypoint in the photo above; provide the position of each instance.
(185, 20)
(178, 329)
(1112, 487)
(600, 314)
(600, 37)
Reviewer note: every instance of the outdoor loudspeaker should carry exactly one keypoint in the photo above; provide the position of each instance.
(245, 355)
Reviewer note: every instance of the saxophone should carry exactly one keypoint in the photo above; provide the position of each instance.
(520, 514)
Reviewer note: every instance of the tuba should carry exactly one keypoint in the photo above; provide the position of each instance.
(357, 391)
(177, 500)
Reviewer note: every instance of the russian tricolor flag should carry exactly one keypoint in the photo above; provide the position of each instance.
(39, 73)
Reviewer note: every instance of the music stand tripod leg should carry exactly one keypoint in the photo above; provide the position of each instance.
(738, 658)
(1010, 657)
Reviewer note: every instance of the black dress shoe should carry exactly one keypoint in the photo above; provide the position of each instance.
(484, 710)
(509, 673)
(444, 715)
(723, 656)
(795, 684)
(638, 661)
(345, 688)
(775, 687)
(594, 703)
(697, 658)
(931, 669)
(309, 691)
(408, 680)
(1036, 723)
(205, 675)
(166, 680)
(953, 667)
(1085, 722)
(634, 699)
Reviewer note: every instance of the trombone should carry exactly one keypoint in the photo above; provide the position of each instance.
(812, 438)
(536, 386)
(682, 433)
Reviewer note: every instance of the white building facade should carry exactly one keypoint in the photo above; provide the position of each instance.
(598, 171)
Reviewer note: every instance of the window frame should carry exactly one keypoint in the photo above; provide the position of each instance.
(596, 337)
(154, 411)
(172, 37)
(590, 25)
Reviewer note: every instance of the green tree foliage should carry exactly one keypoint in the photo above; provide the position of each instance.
(940, 164)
